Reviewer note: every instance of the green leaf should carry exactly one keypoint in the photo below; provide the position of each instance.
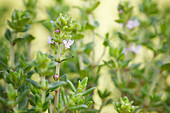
(121, 56)
(71, 85)
(23, 95)
(83, 73)
(29, 74)
(34, 83)
(26, 28)
(88, 91)
(12, 93)
(27, 68)
(111, 51)
(8, 35)
(93, 7)
(106, 40)
(29, 37)
(88, 48)
(85, 59)
(10, 24)
(89, 103)
(108, 102)
(45, 106)
(50, 56)
(131, 84)
(3, 64)
(84, 82)
(64, 77)
(125, 63)
(55, 85)
(100, 94)
(13, 77)
(53, 23)
(23, 104)
(63, 96)
(78, 107)
(66, 59)
(31, 101)
(106, 93)
(122, 36)
(89, 26)
(17, 40)
(165, 67)
(3, 101)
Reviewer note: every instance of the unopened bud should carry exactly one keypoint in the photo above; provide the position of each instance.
(57, 31)
(56, 77)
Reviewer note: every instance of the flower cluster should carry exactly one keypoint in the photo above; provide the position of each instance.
(65, 42)
(62, 31)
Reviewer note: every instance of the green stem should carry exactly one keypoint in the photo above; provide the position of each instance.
(148, 66)
(144, 110)
(103, 53)
(12, 55)
(43, 90)
(93, 53)
(50, 107)
(77, 111)
(101, 107)
(65, 110)
(12, 51)
(57, 73)
(155, 81)
(29, 51)
(93, 65)
(15, 110)
(118, 71)
(81, 65)
(6, 84)
(56, 99)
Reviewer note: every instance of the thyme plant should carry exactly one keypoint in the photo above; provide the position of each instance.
(64, 79)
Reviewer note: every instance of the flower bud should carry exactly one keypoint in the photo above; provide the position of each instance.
(56, 77)
(120, 11)
(57, 31)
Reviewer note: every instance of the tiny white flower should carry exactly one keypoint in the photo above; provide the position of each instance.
(68, 43)
(49, 41)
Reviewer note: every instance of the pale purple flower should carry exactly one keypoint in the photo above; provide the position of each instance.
(124, 51)
(136, 23)
(56, 77)
(135, 50)
(49, 41)
(68, 43)
(122, 24)
(57, 31)
(120, 11)
(132, 24)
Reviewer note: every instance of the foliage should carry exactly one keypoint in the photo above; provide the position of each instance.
(124, 106)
